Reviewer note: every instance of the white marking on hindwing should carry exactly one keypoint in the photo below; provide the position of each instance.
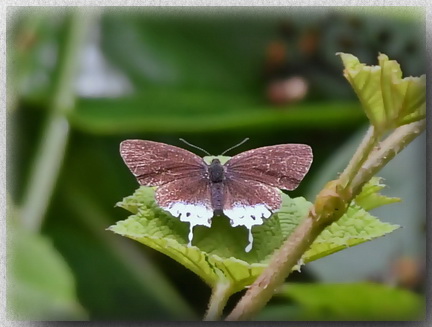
(248, 216)
(194, 214)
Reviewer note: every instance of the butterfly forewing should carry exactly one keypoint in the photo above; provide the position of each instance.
(155, 163)
(282, 166)
(184, 187)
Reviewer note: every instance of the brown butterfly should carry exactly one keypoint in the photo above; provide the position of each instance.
(245, 188)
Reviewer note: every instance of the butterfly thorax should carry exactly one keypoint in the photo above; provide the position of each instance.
(216, 171)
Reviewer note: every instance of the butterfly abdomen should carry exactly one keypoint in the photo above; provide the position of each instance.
(217, 199)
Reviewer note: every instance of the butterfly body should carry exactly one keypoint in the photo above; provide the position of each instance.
(245, 188)
(216, 175)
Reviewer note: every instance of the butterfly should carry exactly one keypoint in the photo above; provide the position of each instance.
(245, 188)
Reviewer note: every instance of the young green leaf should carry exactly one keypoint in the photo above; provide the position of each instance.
(388, 99)
(365, 80)
(369, 198)
(404, 98)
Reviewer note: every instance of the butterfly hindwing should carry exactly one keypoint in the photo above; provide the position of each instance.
(155, 164)
(282, 166)
(248, 203)
(187, 199)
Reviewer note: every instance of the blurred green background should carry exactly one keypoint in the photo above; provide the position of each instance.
(82, 80)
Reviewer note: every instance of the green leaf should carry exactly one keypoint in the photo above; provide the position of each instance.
(356, 226)
(40, 285)
(178, 111)
(359, 301)
(365, 80)
(404, 99)
(369, 198)
(205, 49)
(388, 99)
(218, 253)
(195, 73)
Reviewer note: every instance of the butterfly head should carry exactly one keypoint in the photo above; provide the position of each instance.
(222, 159)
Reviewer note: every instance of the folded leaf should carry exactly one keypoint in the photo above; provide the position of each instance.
(388, 99)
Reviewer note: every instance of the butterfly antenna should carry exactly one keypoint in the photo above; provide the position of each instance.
(194, 146)
(233, 147)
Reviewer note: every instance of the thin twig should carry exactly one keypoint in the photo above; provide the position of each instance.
(387, 150)
(220, 294)
(368, 143)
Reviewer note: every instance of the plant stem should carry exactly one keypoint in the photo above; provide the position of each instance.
(300, 240)
(220, 295)
(387, 150)
(362, 153)
(278, 269)
(44, 172)
(50, 153)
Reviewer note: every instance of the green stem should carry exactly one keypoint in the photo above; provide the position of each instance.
(362, 153)
(220, 295)
(44, 172)
(52, 147)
